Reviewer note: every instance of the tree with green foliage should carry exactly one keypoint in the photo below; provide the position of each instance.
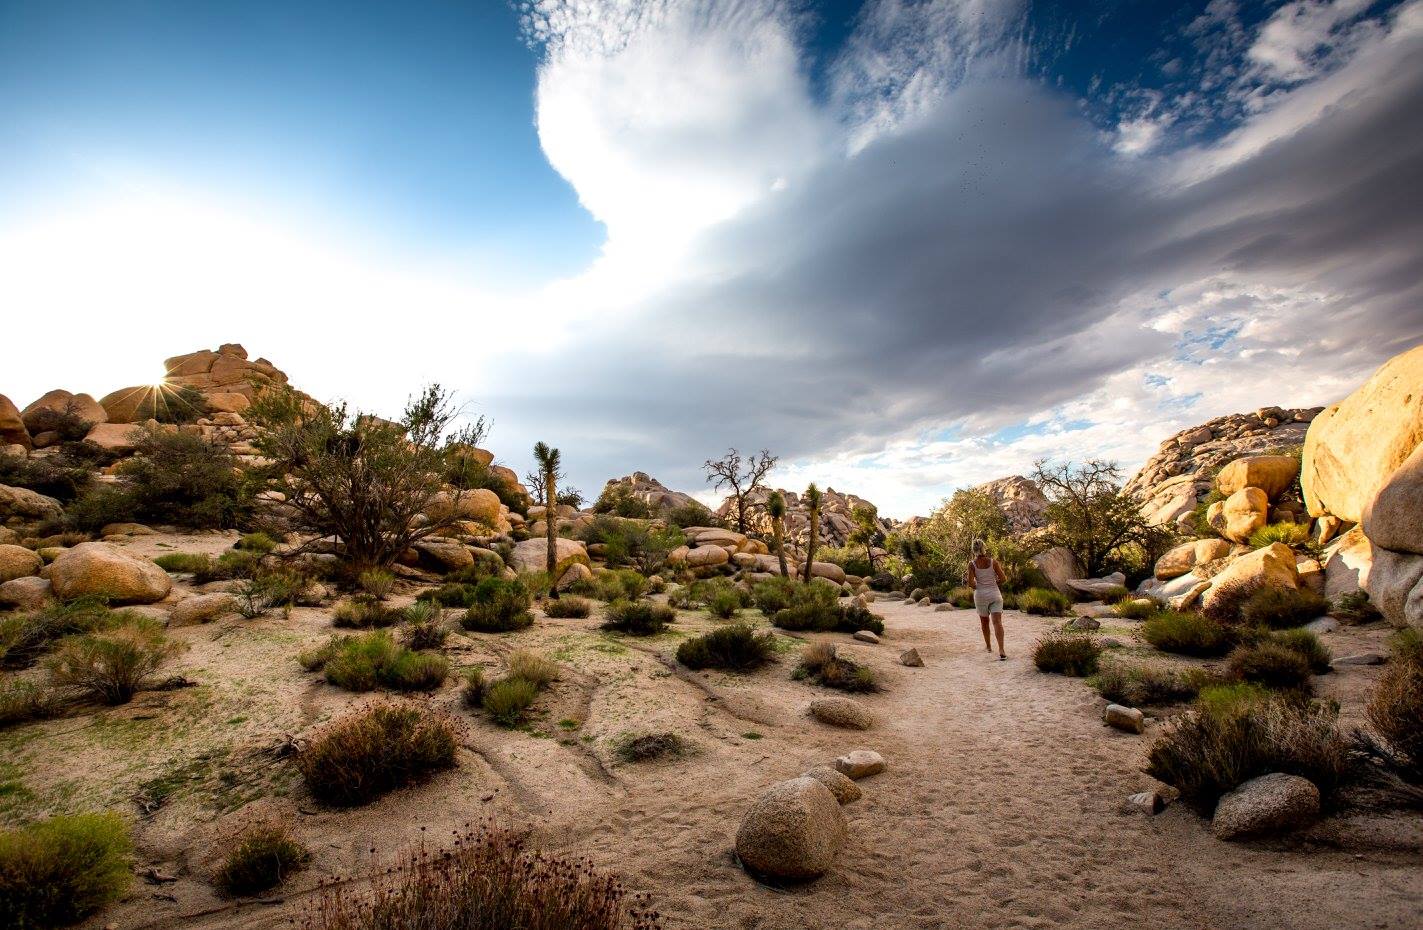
(867, 532)
(742, 477)
(1088, 514)
(550, 463)
(970, 514)
(776, 510)
(812, 506)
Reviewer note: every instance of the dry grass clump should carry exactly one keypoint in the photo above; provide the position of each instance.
(508, 699)
(820, 663)
(363, 612)
(1294, 535)
(58, 871)
(647, 747)
(566, 608)
(112, 664)
(1396, 708)
(1187, 633)
(532, 667)
(1355, 607)
(737, 647)
(25, 637)
(1135, 608)
(489, 880)
(1148, 685)
(1045, 602)
(638, 618)
(1072, 654)
(1282, 608)
(265, 855)
(1271, 665)
(1307, 644)
(375, 750)
(377, 582)
(22, 700)
(424, 626)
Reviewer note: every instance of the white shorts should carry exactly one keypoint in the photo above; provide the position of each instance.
(988, 602)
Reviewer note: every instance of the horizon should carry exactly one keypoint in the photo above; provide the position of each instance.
(908, 248)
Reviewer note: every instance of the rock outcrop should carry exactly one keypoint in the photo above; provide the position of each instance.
(1023, 503)
(12, 426)
(836, 524)
(643, 487)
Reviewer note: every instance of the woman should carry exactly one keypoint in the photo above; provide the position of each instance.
(985, 574)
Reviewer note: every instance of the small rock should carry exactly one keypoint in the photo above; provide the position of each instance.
(1362, 658)
(861, 763)
(844, 788)
(909, 600)
(841, 712)
(1144, 802)
(911, 658)
(1271, 803)
(1108, 642)
(1125, 718)
(924, 602)
(943, 608)
(1322, 625)
(30, 593)
(867, 636)
(201, 608)
(1084, 624)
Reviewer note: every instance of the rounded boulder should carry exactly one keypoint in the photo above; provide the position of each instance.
(792, 831)
(100, 569)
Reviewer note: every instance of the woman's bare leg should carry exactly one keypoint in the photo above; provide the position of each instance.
(997, 630)
(987, 643)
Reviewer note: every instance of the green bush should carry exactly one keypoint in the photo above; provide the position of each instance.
(184, 479)
(22, 700)
(1072, 654)
(25, 636)
(1044, 602)
(1308, 645)
(820, 663)
(1271, 665)
(363, 612)
(374, 750)
(1294, 535)
(111, 664)
(507, 699)
(532, 667)
(618, 500)
(371, 660)
(1239, 732)
(259, 543)
(1396, 707)
(1147, 685)
(1187, 633)
(58, 871)
(499, 606)
(694, 514)
(647, 747)
(624, 584)
(1282, 608)
(960, 596)
(638, 618)
(724, 604)
(450, 594)
(62, 476)
(1135, 608)
(701, 594)
(424, 626)
(474, 685)
(568, 607)
(1354, 607)
(828, 618)
(377, 582)
(737, 647)
(233, 564)
(265, 855)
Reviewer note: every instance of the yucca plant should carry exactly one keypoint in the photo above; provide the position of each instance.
(812, 504)
(776, 510)
(550, 463)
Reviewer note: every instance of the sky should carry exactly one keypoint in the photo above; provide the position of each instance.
(906, 245)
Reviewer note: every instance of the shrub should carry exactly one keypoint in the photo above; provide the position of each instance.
(377, 582)
(1073, 654)
(820, 663)
(363, 663)
(1294, 535)
(1282, 608)
(1135, 608)
(263, 857)
(693, 514)
(235, 563)
(1228, 600)
(111, 665)
(23, 637)
(1308, 645)
(618, 500)
(1396, 708)
(1044, 602)
(1114, 594)
(612, 585)
(702, 593)
(313, 660)
(424, 626)
(532, 667)
(487, 881)
(499, 607)
(473, 692)
(828, 618)
(1354, 607)
(1187, 633)
(364, 611)
(1270, 664)
(568, 607)
(450, 594)
(374, 750)
(62, 476)
(58, 871)
(259, 543)
(724, 603)
(1146, 685)
(648, 746)
(1239, 732)
(737, 647)
(638, 618)
(507, 699)
(22, 700)
(960, 596)
(184, 479)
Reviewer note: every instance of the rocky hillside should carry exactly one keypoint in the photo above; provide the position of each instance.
(836, 524)
(1021, 500)
(642, 487)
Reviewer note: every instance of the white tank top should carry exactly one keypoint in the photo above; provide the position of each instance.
(985, 579)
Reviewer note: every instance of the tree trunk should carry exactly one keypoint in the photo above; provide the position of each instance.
(776, 536)
(551, 533)
(811, 542)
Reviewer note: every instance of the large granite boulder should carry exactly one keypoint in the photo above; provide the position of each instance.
(1244, 512)
(115, 437)
(1022, 502)
(531, 555)
(1272, 474)
(478, 504)
(18, 562)
(12, 426)
(1060, 567)
(23, 504)
(225, 370)
(101, 569)
(1272, 566)
(1181, 559)
(792, 831)
(43, 413)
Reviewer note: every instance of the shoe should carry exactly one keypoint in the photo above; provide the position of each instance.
(1002, 658)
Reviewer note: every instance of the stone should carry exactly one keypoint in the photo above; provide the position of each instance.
(1020, 499)
(1181, 559)
(1124, 718)
(860, 763)
(1393, 519)
(125, 529)
(227, 402)
(1326, 528)
(27, 593)
(445, 555)
(1097, 587)
(792, 831)
(827, 570)
(844, 789)
(1272, 566)
(1355, 445)
(867, 636)
(1358, 658)
(114, 436)
(18, 562)
(1348, 564)
(127, 404)
(96, 568)
(12, 425)
(1270, 804)
(841, 712)
(911, 658)
(573, 574)
(1244, 512)
(1060, 566)
(1321, 625)
(1273, 474)
(1395, 586)
(201, 608)
(531, 555)
(40, 415)
(478, 504)
(1311, 575)
(707, 556)
(943, 608)
(1149, 803)
(1084, 624)
(24, 504)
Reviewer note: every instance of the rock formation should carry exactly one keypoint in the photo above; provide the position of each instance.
(1023, 503)
(647, 489)
(836, 524)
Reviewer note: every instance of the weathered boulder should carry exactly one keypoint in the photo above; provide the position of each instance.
(12, 426)
(531, 555)
(1181, 559)
(707, 556)
(1269, 804)
(1272, 566)
(841, 712)
(18, 562)
(911, 658)
(1244, 512)
(30, 593)
(827, 570)
(1272, 474)
(201, 608)
(1394, 518)
(1124, 718)
(868, 636)
(643, 487)
(24, 504)
(445, 555)
(1354, 446)
(792, 831)
(844, 789)
(1097, 587)
(116, 437)
(44, 412)
(1170, 501)
(575, 573)
(860, 763)
(225, 370)
(129, 404)
(1022, 502)
(96, 568)
(1348, 563)
(1060, 566)
(478, 504)
(1395, 586)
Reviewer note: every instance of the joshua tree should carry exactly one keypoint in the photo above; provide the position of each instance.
(550, 462)
(776, 509)
(867, 532)
(812, 505)
(741, 477)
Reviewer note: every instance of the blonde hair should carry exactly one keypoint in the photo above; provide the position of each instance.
(979, 548)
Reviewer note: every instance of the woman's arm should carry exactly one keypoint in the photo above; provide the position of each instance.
(998, 572)
(969, 576)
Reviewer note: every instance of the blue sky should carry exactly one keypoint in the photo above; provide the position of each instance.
(909, 245)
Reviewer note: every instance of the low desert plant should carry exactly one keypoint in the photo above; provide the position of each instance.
(112, 664)
(499, 606)
(828, 618)
(1355, 607)
(22, 700)
(375, 750)
(1147, 685)
(1307, 644)
(1294, 535)
(960, 596)
(532, 667)
(724, 603)
(1396, 708)
(473, 691)
(1045, 602)
(1282, 608)
(820, 663)
(56, 872)
(371, 660)
(638, 618)
(507, 699)
(259, 543)
(377, 582)
(184, 479)
(364, 611)
(1135, 608)
(1270, 665)
(646, 747)
(1072, 654)
(235, 563)
(1186, 633)
(568, 608)
(737, 647)
(424, 626)
(263, 857)
(25, 636)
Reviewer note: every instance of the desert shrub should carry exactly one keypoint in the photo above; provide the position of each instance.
(371, 660)
(1186, 633)
(377, 582)
(737, 647)
(1355, 607)
(25, 636)
(364, 611)
(1269, 664)
(724, 603)
(94, 508)
(184, 479)
(1073, 654)
(1114, 594)
(314, 660)
(374, 750)
(623, 584)
(820, 663)
(828, 618)
(775, 594)
(532, 667)
(618, 500)
(703, 592)
(638, 618)
(499, 607)
(961, 596)
(487, 881)
(1239, 732)
(1307, 644)
(1044, 602)
(111, 664)
(1396, 707)
(63, 477)
(1135, 608)
(646, 747)
(22, 700)
(568, 607)
(1228, 600)
(507, 699)
(1147, 685)
(262, 858)
(424, 626)
(1282, 608)
(58, 871)
(1294, 535)
(259, 543)
(473, 691)
(230, 565)
(450, 594)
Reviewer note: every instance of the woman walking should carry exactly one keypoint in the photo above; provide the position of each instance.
(985, 574)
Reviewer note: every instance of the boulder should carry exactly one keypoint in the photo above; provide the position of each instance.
(860, 763)
(1270, 804)
(707, 556)
(1348, 564)
(827, 570)
(125, 529)
(792, 831)
(40, 415)
(1084, 624)
(1395, 586)
(29, 593)
(1181, 559)
(1124, 718)
(126, 405)
(1244, 512)
(1311, 574)
(1272, 566)
(1272, 474)
(1020, 499)
(844, 789)
(1354, 446)
(867, 636)
(445, 555)
(116, 437)
(1097, 587)
(841, 712)
(573, 574)
(531, 555)
(1060, 566)
(1358, 658)
(96, 568)
(201, 608)
(1170, 501)
(478, 504)
(12, 426)
(1394, 518)
(24, 504)
(911, 658)
(18, 562)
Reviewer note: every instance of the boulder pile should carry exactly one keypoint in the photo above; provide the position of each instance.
(836, 524)
(1023, 503)
(641, 486)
